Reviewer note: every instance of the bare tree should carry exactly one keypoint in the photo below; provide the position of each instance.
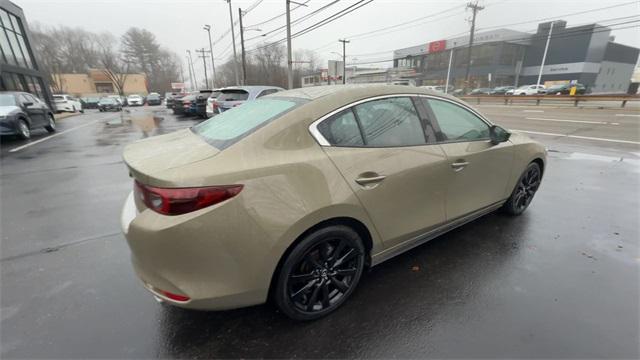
(114, 64)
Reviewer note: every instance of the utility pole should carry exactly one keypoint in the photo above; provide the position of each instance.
(233, 41)
(544, 56)
(192, 70)
(181, 73)
(244, 63)
(344, 63)
(475, 8)
(289, 59)
(289, 64)
(203, 55)
(189, 68)
(213, 64)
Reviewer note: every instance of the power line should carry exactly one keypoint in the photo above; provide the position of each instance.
(305, 17)
(277, 16)
(561, 16)
(320, 23)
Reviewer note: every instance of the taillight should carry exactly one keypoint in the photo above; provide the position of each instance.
(215, 105)
(176, 201)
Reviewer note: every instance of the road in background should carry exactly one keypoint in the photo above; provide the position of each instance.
(562, 280)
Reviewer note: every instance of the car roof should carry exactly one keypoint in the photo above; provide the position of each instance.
(355, 92)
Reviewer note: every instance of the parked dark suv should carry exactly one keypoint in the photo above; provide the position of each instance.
(22, 112)
(153, 99)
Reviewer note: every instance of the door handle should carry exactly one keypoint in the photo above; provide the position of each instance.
(459, 165)
(370, 180)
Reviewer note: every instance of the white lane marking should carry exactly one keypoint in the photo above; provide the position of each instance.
(536, 111)
(579, 137)
(637, 115)
(52, 136)
(574, 121)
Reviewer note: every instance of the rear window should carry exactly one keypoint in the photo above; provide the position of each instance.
(226, 129)
(215, 94)
(58, 97)
(233, 95)
(7, 100)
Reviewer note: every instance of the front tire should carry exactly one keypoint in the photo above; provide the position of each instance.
(23, 130)
(51, 127)
(320, 273)
(526, 188)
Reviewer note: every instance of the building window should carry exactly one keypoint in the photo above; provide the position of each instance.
(12, 42)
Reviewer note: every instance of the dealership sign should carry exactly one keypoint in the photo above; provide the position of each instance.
(437, 46)
(177, 86)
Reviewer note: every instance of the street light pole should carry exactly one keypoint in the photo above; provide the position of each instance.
(446, 88)
(344, 64)
(213, 64)
(544, 56)
(233, 40)
(189, 68)
(244, 62)
(194, 80)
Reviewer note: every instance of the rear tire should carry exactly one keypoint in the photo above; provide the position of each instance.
(52, 124)
(526, 188)
(320, 273)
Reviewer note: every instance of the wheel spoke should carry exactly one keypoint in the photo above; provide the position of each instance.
(296, 279)
(325, 295)
(348, 256)
(314, 297)
(339, 284)
(338, 250)
(346, 272)
(304, 289)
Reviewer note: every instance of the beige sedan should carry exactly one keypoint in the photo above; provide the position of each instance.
(291, 196)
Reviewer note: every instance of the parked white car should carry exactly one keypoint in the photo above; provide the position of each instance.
(527, 90)
(65, 102)
(210, 110)
(135, 100)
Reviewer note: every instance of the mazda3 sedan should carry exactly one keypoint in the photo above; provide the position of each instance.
(293, 195)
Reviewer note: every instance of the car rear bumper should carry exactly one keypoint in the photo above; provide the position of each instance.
(215, 256)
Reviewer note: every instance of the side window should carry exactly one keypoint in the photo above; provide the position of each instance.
(457, 123)
(341, 129)
(390, 122)
(24, 99)
(267, 92)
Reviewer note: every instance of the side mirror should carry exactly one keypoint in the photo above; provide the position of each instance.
(27, 104)
(498, 134)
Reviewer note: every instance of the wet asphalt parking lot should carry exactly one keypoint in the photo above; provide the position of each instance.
(562, 280)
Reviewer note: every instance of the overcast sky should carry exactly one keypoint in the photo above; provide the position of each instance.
(177, 24)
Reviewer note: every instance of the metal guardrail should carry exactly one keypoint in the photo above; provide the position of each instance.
(509, 99)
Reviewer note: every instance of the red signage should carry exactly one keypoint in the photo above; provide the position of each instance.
(437, 46)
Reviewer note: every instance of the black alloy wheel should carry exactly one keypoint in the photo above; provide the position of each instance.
(23, 129)
(526, 188)
(321, 272)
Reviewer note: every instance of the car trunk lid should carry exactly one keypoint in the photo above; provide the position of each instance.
(148, 159)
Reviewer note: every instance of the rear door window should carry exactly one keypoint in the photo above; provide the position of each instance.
(390, 122)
